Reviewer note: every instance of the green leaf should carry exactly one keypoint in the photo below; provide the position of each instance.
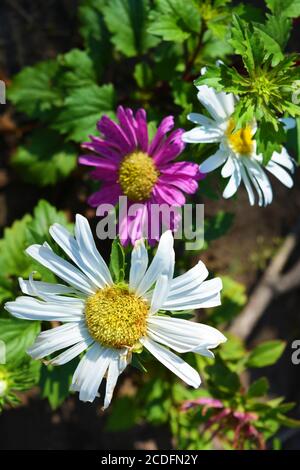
(123, 415)
(55, 382)
(117, 262)
(266, 354)
(284, 8)
(218, 225)
(13, 260)
(83, 108)
(175, 20)
(76, 69)
(18, 336)
(127, 20)
(45, 215)
(258, 388)
(221, 378)
(269, 139)
(233, 299)
(44, 159)
(95, 33)
(6, 289)
(32, 90)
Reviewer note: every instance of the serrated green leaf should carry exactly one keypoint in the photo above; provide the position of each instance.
(83, 108)
(76, 69)
(18, 336)
(285, 8)
(129, 26)
(175, 20)
(13, 261)
(268, 139)
(44, 159)
(266, 354)
(44, 215)
(95, 33)
(32, 90)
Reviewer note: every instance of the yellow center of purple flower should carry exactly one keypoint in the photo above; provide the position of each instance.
(240, 141)
(137, 176)
(116, 317)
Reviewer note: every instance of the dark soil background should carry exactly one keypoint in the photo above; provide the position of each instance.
(33, 30)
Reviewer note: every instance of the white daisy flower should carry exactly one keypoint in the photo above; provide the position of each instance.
(109, 321)
(237, 150)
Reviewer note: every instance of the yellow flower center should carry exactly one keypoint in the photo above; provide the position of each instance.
(137, 176)
(241, 141)
(115, 317)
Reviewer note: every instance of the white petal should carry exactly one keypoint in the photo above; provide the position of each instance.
(183, 335)
(197, 291)
(91, 370)
(262, 180)
(191, 278)
(289, 123)
(201, 120)
(139, 264)
(202, 135)
(63, 269)
(191, 303)
(213, 162)
(176, 365)
(29, 308)
(234, 182)
(247, 184)
(89, 251)
(215, 103)
(71, 353)
(228, 168)
(44, 288)
(261, 201)
(116, 367)
(284, 159)
(80, 255)
(58, 338)
(280, 174)
(163, 262)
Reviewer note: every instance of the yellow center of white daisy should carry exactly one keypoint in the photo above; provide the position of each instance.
(116, 317)
(137, 176)
(240, 141)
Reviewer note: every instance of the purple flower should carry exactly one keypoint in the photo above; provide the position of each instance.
(130, 165)
(224, 418)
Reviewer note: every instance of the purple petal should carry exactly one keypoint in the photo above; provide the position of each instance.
(105, 149)
(108, 194)
(93, 160)
(170, 148)
(169, 195)
(127, 122)
(184, 183)
(181, 169)
(115, 135)
(165, 126)
(142, 129)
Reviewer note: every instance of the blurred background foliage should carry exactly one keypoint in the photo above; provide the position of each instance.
(139, 53)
